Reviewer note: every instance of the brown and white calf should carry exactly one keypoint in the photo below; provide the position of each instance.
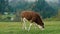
(32, 17)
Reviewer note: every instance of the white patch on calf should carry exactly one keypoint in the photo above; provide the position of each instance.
(41, 27)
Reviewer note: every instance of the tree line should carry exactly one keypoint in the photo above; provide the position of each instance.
(39, 6)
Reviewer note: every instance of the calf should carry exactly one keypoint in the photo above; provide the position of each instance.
(32, 17)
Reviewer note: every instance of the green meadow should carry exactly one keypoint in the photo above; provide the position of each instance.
(51, 27)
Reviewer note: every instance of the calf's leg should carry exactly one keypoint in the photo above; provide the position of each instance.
(24, 24)
(29, 26)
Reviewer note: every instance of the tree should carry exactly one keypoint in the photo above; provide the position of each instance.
(3, 6)
(45, 9)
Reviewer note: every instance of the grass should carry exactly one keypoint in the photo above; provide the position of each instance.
(51, 27)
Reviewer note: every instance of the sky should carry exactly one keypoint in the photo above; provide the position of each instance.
(48, 1)
(30, 0)
(53, 1)
(10, 0)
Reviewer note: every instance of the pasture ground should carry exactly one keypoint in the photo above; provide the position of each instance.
(51, 27)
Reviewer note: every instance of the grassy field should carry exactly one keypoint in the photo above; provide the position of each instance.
(51, 27)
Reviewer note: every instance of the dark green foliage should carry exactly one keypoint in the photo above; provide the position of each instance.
(16, 6)
(44, 9)
(3, 6)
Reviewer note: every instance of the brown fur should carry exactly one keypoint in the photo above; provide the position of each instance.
(33, 16)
